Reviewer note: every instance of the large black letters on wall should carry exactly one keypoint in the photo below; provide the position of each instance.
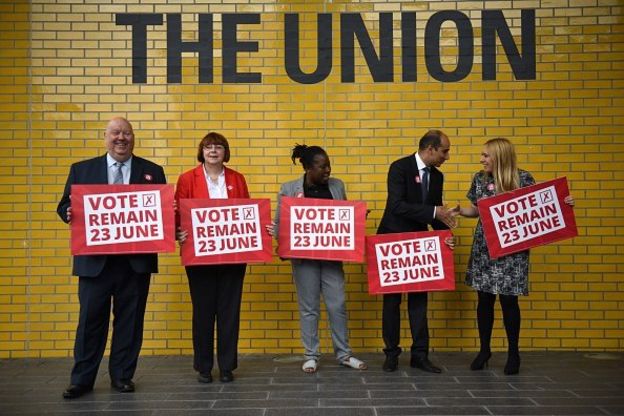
(380, 67)
(379, 61)
(139, 22)
(175, 47)
(523, 66)
(323, 49)
(231, 46)
(432, 46)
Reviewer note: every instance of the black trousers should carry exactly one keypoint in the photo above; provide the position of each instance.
(216, 293)
(391, 324)
(128, 291)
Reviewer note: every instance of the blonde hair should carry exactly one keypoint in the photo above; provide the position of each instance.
(504, 165)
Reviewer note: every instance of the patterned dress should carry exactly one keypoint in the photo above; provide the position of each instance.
(507, 275)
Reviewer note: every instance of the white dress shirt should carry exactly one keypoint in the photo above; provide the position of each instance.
(216, 189)
(421, 170)
(112, 169)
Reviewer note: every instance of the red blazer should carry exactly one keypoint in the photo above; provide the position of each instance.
(192, 184)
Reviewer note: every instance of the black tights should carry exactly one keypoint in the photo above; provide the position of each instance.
(511, 319)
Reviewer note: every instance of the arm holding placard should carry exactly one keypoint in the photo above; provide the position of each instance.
(183, 191)
(291, 188)
(273, 228)
(450, 242)
(64, 207)
(270, 229)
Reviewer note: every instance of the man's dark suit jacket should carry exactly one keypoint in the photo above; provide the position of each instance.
(405, 210)
(95, 171)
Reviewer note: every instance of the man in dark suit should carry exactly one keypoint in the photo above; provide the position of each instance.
(414, 201)
(124, 278)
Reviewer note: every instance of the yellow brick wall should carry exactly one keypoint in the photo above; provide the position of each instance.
(66, 69)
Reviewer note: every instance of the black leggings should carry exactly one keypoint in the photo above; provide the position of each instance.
(511, 319)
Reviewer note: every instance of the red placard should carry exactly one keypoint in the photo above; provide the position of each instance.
(527, 217)
(122, 219)
(225, 231)
(409, 262)
(322, 229)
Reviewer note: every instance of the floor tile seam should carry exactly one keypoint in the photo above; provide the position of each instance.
(529, 395)
(112, 404)
(606, 412)
(502, 406)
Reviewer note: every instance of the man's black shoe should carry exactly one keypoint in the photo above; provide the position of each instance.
(226, 377)
(73, 391)
(390, 364)
(123, 386)
(204, 378)
(425, 365)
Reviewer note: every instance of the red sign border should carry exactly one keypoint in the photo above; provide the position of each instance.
(374, 286)
(78, 227)
(355, 255)
(489, 229)
(187, 251)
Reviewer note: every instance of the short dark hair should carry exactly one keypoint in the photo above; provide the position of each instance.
(432, 138)
(306, 154)
(213, 138)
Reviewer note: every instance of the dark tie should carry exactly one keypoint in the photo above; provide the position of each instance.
(424, 183)
(118, 179)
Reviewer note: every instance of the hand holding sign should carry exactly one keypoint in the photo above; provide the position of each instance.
(450, 242)
(270, 229)
(569, 200)
(181, 235)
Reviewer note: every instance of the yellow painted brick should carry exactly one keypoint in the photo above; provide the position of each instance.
(605, 343)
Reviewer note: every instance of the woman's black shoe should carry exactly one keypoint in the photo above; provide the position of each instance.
(513, 364)
(481, 360)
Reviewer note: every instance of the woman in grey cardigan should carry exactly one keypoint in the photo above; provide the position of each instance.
(316, 277)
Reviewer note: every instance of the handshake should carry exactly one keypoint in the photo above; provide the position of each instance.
(447, 215)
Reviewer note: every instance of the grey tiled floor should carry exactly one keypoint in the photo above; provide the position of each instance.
(549, 383)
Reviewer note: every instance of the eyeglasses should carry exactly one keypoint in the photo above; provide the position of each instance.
(218, 147)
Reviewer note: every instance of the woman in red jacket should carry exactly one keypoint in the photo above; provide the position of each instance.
(216, 290)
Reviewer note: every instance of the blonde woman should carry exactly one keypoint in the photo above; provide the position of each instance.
(507, 276)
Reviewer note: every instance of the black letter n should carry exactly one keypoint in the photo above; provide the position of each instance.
(523, 66)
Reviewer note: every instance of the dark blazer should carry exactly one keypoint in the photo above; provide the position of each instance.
(405, 210)
(95, 171)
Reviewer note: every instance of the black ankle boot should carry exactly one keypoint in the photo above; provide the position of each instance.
(481, 360)
(513, 364)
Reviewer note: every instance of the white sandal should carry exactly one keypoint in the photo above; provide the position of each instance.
(310, 366)
(354, 363)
